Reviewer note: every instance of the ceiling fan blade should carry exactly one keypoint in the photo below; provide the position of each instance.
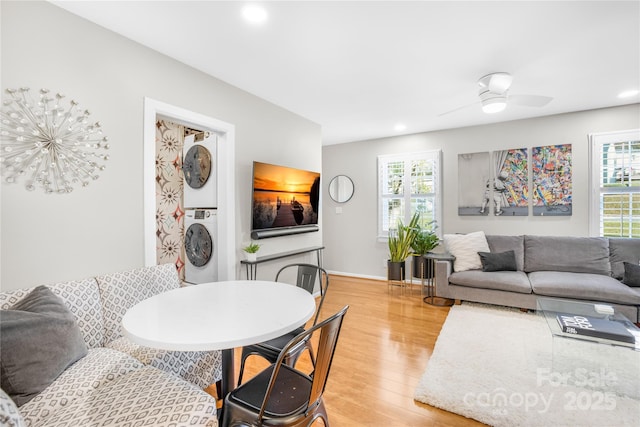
(458, 109)
(529, 100)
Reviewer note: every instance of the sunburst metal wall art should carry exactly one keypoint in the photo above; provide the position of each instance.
(48, 145)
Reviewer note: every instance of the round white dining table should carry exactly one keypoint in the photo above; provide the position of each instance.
(218, 316)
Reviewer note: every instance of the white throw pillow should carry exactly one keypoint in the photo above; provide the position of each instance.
(465, 248)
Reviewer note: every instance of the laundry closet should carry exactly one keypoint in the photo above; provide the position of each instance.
(186, 201)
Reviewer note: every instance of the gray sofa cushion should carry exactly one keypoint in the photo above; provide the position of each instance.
(623, 250)
(512, 281)
(508, 243)
(567, 254)
(39, 340)
(582, 286)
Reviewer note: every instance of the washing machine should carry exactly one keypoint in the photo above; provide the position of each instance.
(199, 167)
(200, 239)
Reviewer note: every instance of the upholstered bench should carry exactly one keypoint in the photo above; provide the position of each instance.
(111, 379)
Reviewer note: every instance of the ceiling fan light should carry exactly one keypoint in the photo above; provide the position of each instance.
(494, 105)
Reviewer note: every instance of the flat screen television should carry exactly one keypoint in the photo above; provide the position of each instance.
(285, 200)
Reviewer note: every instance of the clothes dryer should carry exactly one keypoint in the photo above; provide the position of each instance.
(199, 167)
(200, 239)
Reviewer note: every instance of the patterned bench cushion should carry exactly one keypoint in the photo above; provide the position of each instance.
(145, 397)
(201, 368)
(121, 291)
(97, 368)
(9, 413)
(83, 300)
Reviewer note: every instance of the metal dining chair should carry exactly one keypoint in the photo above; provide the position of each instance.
(270, 350)
(282, 395)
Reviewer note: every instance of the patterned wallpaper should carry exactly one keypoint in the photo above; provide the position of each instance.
(169, 195)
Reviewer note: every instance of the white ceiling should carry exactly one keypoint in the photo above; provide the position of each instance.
(358, 68)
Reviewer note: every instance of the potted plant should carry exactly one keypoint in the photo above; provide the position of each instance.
(400, 241)
(251, 250)
(426, 239)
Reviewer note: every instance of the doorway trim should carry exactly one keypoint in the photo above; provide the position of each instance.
(153, 110)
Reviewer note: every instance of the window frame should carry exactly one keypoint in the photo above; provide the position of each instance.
(434, 156)
(596, 143)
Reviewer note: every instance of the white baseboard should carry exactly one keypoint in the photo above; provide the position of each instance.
(360, 276)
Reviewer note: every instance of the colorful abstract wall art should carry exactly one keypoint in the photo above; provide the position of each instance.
(551, 172)
(510, 183)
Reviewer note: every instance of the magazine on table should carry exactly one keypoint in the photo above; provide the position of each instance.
(594, 327)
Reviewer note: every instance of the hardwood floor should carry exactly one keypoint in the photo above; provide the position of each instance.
(386, 340)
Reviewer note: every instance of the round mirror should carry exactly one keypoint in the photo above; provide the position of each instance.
(341, 188)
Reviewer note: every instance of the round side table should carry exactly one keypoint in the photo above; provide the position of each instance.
(429, 279)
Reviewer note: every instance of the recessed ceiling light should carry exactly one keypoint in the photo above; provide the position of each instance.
(254, 13)
(628, 93)
(400, 127)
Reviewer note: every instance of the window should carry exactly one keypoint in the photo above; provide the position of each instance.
(408, 183)
(615, 184)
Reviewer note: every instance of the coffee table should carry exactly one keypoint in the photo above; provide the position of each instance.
(218, 316)
(551, 307)
(594, 362)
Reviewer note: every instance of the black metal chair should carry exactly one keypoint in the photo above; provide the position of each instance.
(282, 395)
(270, 350)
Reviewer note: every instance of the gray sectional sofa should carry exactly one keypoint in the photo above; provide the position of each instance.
(581, 268)
(111, 381)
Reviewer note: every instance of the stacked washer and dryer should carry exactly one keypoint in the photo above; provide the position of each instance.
(199, 166)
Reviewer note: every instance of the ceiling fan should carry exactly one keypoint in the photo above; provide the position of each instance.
(494, 95)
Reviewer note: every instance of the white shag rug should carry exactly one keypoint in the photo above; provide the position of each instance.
(495, 365)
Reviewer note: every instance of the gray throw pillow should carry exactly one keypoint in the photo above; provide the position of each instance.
(631, 275)
(498, 261)
(39, 339)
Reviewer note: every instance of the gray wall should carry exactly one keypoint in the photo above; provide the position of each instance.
(99, 229)
(351, 237)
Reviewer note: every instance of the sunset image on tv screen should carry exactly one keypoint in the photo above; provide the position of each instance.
(284, 197)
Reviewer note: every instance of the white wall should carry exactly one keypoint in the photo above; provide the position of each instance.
(99, 229)
(350, 237)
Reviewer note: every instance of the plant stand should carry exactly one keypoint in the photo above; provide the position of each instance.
(422, 270)
(428, 279)
(396, 275)
(402, 284)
